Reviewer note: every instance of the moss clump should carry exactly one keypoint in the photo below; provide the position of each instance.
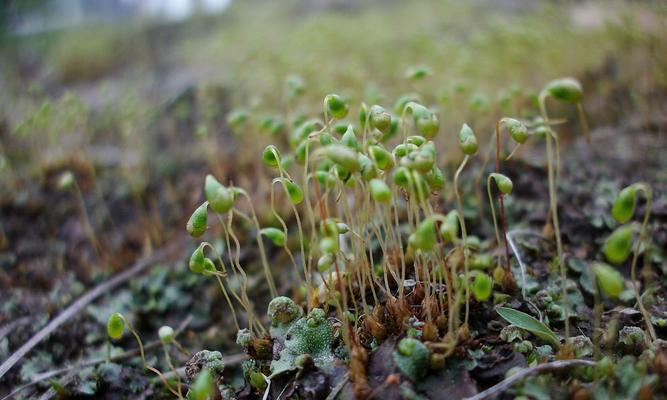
(412, 358)
(205, 359)
(631, 338)
(312, 335)
(282, 312)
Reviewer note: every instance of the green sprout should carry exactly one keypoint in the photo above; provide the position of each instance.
(618, 246)
(567, 90)
(505, 187)
(468, 144)
(116, 325)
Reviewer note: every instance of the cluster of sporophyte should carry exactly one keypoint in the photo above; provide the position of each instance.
(376, 256)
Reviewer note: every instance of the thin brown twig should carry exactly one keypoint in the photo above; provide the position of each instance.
(499, 388)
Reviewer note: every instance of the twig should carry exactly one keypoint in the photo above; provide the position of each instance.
(88, 298)
(343, 381)
(499, 388)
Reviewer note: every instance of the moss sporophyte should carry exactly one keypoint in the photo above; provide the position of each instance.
(360, 209)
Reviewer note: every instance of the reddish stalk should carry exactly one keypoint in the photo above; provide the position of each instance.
(501, 202)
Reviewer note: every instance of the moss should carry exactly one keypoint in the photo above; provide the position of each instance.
(631, 336)
(205, 360)
(312, 335)
(412, 358)
(282, 312)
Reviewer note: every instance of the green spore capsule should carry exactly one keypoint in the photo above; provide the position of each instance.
(610, 280)
(276, 235)
(301, 132)
(343, 156)
(336, 106)
(329, 227)
(198, 221)
(367, 168)
(381, 157)
(220, 198)
(196, 263)
(436, 179)
(504, 183)
(418, 72)
(329, 245)
(166, 334)
(567, 90)
(618, 246)
(624, 205)
(404, 149)
(424, 161)
(342, 227)
(449, 228)
(380, 191)
(293, 191)
(209, 267)
(326, 179)
(467, 140)
(417, 140)
(300, 152)
(340, 127)
(115, 326)
(424, 237)
(363, 114)
(349, 138)
(66, 181)
(428, 124)
(237, 118)
(402, 177)
(271, 156)
(324, 263)
(380, 119)
(403, 102)
(517, 130)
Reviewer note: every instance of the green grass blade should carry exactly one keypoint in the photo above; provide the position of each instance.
(530, 324)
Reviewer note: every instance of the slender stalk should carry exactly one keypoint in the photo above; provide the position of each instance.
(493, 211)
(597, 310)
(648, 193)
(219, 278)
(553, 205)
(145, 364)
(167, 358)
(87, 226)
(260, 245)
(284, 226)
(501, 200)
(464, 236)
